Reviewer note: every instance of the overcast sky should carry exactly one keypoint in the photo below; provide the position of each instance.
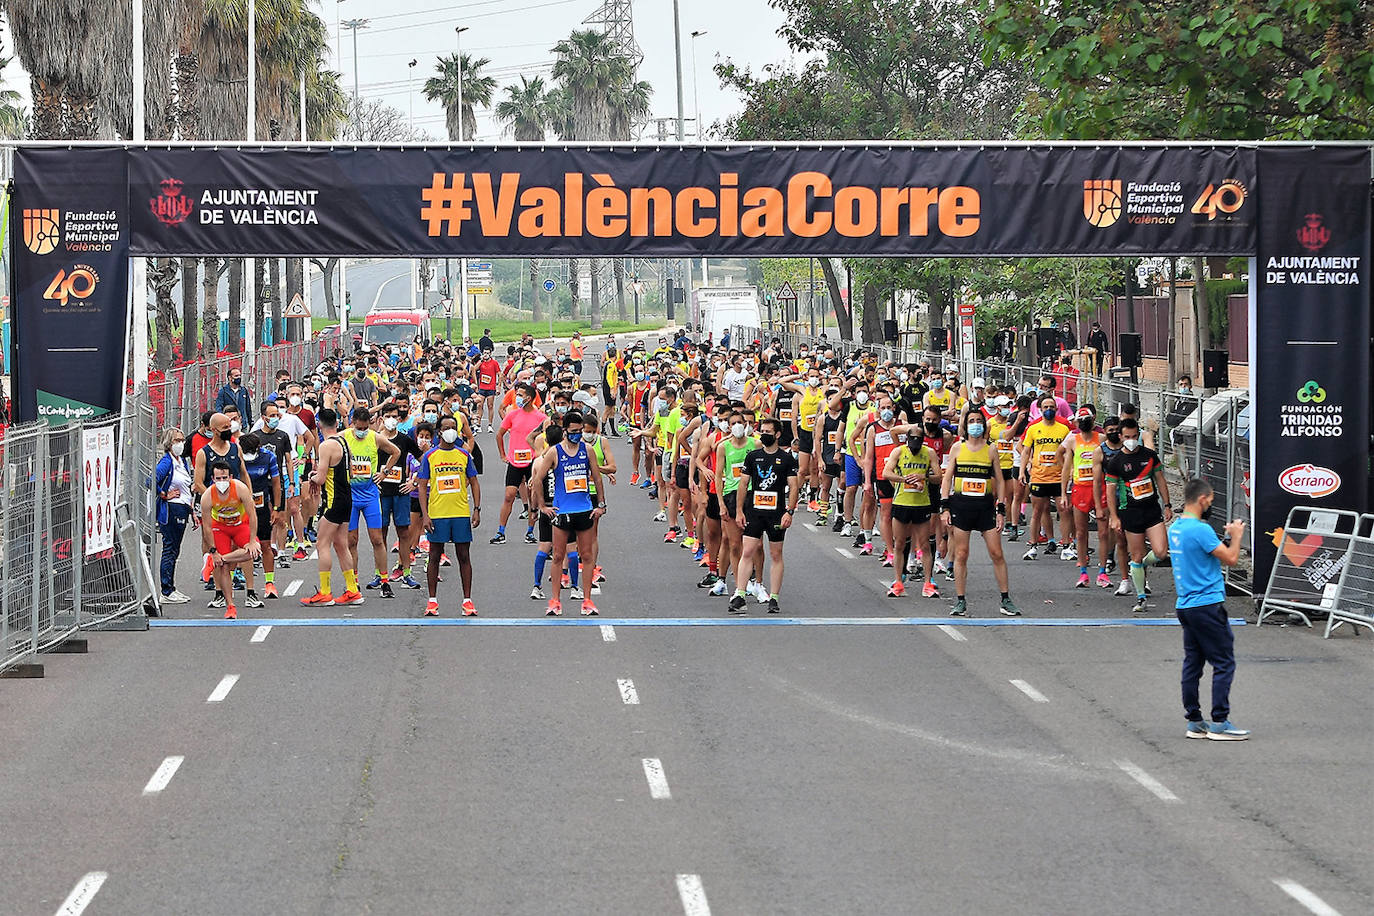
(518, 34)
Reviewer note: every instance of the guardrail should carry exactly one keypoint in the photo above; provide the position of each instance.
(1324, 567)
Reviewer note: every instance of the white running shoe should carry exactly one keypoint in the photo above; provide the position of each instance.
(938, 568)
(847, 531)
(576, 593)
(1032, 554)
(596, 589)
(718, 590)
(1124, 589)
(761, 593)
(1068, 553)
(175, 597)
(536, 594)
(661, 517)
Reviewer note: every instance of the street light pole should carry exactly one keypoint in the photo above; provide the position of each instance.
(410, 92)
(677, 56)
(696, 95)
(355, 25)
(462, 262)
(250, 133)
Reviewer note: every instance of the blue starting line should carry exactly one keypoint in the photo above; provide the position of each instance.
(1096, 622)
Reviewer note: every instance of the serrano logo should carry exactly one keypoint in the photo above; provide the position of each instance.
(1102, 201)
(42, 230)
(171, 206)
(1220, 200)
(1310, 480)
(810, 205)
(78, 284)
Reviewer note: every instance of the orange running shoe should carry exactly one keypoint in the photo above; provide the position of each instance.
(634, 478)
(231, 613)
(270, 590)
(555, 608)
(930, 590)
(705, 561)
(445, 561)
(589, 609)
(432, 608)
(469, 609)
(897, 590)
(208, 569)
(319, 599)
(300, 554)
(596, 576)
(567, 583)
(349, 598)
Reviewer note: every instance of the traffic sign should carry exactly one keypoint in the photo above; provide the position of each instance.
(786, 292)
(447, 305)
(479, 290)
(296, 308)
(966, 308)
(549, 285)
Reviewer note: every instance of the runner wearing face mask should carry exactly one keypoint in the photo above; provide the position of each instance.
(882, 439)
(1113, 544)
(913, 471)
(518, 455)
(730, 455)
(1042, 468)
(366, 451)
(264, 474)
(707, 444)
(804, 427)
(974, 494)
(1078, 454)
(1138, 500)
(395, 488)
(829, 452)
(766, 502)
(860, 410)
(227, 536)
(573, 511)
(450, 508)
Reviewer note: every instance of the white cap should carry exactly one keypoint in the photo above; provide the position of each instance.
(1001, 401)
(979, 383)
(582, 397)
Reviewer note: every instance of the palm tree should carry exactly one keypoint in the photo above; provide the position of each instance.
(476, 90)
(574, 283)
(190, 306)
(535, 315)
(209, 321)
(589, 66)
(561, 114)
(526, 110)
(14, 119)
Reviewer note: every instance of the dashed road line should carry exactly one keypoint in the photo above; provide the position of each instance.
(1311, 901)
(809, 526)
(692, 895)
(314, 555)
(294, 587)
(82, 894)
(260, 633)
(1029, 691)
(844, 553)
(221, 691)
(607, 633)
(658, 783)
(951, 632)
(627, 691)
(1156, 788)
(163, 775)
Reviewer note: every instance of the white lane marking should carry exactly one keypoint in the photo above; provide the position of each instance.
(951, 632)
(607, 633)
(314, 555)
(628, 692)
(165, 771)
(692, 895)
(1029, 691)
(1308, 899)
(378, 298)
(844, 553)
(294, 587)
(809, 526)
(260, 634)
(82, 894)
(658, 783)
(1157, 788)
(225, 685)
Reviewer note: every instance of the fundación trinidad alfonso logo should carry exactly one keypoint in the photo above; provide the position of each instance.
(1311, 393)
(171, 207)
(1313, 234)
(1102, 201)
(42, 230)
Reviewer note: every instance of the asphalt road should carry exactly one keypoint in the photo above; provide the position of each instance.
(862, 765)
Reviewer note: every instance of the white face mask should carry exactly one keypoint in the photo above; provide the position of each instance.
(222, 486)
(390, 423)
(861, 397)
(359, 433)
(1130, 445)
(178, 447)
(449, 435)
(738, 430)
(250, 457)
(235, 426)
(722, 425)
(295, 400)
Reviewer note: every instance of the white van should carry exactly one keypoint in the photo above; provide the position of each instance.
(715, 309)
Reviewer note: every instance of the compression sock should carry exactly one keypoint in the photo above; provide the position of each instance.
(268, 577)
(540, 559)
(351, 580)
(574, 567)
(1138, 577)
(500, 529)
(529, 531)
(1082, 570)
(324, 582)
(1150, 558)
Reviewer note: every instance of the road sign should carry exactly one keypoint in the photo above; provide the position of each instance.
(479, 290)
(479, 266)
(584, 287)
(786, 292)
(549, 285)
(447, 304)
(966, 309)
(296, 308)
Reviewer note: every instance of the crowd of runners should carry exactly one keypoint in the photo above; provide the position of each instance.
(908, 463)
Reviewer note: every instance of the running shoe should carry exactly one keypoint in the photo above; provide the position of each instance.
(555, 608)
(596, 589)
(867, 549)
(689, 542)
(282, 563)
(1104, 580)
(671, 536)
(930, 590)
(949, 572)
(444, 560)
(896, 590)
(1051, 548)
(938, 567)
(773, 605)
(375, 583)
(839, 525)
(488, 427)
(566, 580)
(319, 599)
(860, 540)
(647, 483)
(252, 600)
(536, 594)
(960, 608)
(705, 559)
(718, 590)
(1225, 731)
(1123, 589)
(847, 530)
(386, 590)
(699, 555)
(312, 535)
(300, 554)
(813, 505)
(1083, 581)
(575, 593)
(1140, 606)
(589, 609)
(217, 601)
(1009, 609)
(1110, 565)
(1197, 730)
(349, 598)
(1031, 554)
(887, 558)
(175, 597)
(239, 583)
(710, 580)
(1068, 553)
(1013, 533)
(524, 513)
(761, 593)
(634, 479)
(397, 572)
(469, 609)
(231, 613)
(431, 608)
(736, 604)
(597, 576)
(208, 569)
(498, 538)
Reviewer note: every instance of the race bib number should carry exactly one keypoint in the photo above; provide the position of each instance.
(1084, 473)
(973, 486)
(395, 475)
(575, 483)
(1142, 489)
(1047, 459)
(259, 499)
(785, 413)
(360, 468)
(883, 438)
(521, 454)
(918, 487)
(485, 381)
(737, 472)
(833, 437)
(764, 500)
(449, 483)
(1005, 445)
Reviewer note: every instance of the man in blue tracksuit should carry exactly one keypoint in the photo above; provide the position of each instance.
(236, 393)
(1198, 554)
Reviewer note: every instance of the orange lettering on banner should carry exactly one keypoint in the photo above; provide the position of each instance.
(959, 212)
(856, 212)
(798, 220)
(689, 222)
(542, 215)
(495, 214)
(893, 200)
(662, 201)
(764, 216)
(607, 209)
(572, 204)
(729, 204)
(922, 199)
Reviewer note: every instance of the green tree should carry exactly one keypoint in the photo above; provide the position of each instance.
(477, 89)
(1296, 69)
(590, 68)
(14, 120)
(526, 110)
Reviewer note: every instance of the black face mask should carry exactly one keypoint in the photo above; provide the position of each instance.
(1114, 438)
(235, 381)
(767, 440)
(225, 435)
(1086, 425)
(932, 429)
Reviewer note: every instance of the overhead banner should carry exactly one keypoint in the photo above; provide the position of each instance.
(70, 243)
(1310, 361)
(649, 202)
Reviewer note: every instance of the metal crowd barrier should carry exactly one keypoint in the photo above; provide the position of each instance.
(1355, 591)
(1313, 563)
(51, 587)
